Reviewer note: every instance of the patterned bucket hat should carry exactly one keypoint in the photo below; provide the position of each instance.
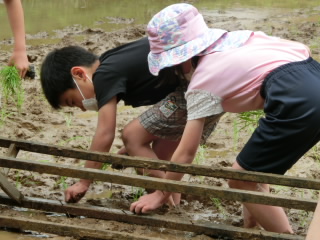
(176, 34)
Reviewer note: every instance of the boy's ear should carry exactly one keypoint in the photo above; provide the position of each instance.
(78, 72)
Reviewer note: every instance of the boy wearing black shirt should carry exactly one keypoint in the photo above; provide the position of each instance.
(74, 77)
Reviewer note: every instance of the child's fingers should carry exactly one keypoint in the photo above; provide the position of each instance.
(171, 202)
(67, 196)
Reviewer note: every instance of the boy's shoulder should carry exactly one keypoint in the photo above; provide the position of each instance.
(125, 49)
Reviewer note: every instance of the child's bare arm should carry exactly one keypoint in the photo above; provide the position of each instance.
(102, 142)
(16, 19)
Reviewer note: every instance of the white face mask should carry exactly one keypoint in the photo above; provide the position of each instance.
(90, 104)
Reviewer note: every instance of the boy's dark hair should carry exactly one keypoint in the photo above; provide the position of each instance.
(55, 73)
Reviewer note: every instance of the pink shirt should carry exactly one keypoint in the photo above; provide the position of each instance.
(230, 81)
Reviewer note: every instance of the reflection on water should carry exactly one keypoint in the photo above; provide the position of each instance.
(49, 15)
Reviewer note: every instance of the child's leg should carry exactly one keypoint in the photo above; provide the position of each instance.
(138, 143)
(164, 150)
(271, 218)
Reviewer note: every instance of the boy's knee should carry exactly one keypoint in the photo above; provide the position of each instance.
(125, 135)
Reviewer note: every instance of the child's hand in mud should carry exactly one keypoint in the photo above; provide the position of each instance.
(150, 202)
(74, 193)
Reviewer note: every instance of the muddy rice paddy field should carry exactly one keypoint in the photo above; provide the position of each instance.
(72, 128)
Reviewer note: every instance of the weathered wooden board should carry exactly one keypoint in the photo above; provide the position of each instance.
(11, 152)
(163, 165)
(5, 185)
(161, 184)
(210, 229)
(9, 189)
(67, 230)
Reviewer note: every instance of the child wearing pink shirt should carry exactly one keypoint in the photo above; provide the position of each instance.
(236, 72)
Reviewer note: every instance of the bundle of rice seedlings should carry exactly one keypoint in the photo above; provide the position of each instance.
(11, 86)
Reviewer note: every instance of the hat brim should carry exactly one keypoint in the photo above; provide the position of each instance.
(182, 53)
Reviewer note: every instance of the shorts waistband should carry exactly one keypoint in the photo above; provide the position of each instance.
(287, 68)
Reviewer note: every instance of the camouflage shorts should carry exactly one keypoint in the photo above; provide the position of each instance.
(167, 118)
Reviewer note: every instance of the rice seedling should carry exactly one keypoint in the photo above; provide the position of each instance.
(246, 121)
(61, 182)
(201, 154)
(137, 193)
(4, 114)
(11, 86)
(235, 135)
(68, 119)
(106, 166)
(250, 120)
(217, 203)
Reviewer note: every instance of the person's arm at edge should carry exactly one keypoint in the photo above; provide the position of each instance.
(184, 153)
(101, 142)
(16, 19)
(314, 230)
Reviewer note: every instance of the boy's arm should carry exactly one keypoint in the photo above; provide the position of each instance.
(101, 142)
(184, 153)
(16, 18)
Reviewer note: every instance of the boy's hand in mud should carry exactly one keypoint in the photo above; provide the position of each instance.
(74, 193)
(150, 202)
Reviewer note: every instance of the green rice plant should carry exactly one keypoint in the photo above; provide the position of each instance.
(235, 135)
(250, 120)
(25, 180)
(68, 119)
(61, 182)
(137, 193)
(105, 166)
(11, 86)
(217, 203)
(4, 114)
(201, 154)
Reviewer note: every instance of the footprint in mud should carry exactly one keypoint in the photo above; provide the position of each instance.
(28, 125)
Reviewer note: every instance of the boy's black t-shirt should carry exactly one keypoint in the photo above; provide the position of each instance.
(124, 72)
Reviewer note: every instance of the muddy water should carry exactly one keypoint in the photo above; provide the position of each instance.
(49, 15)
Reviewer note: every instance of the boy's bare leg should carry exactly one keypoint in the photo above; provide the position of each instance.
(271, 218)
(139, 142)
(164, 149)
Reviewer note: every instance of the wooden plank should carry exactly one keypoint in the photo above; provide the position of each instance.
(11, 152)
(67, 229)
(161, 184)
(210, 229)
(164, 165)
(5, 185)
(9, 189)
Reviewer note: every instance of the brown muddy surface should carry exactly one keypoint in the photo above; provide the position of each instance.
(72, 128)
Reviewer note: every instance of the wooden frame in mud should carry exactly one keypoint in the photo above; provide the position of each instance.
(166, 185)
